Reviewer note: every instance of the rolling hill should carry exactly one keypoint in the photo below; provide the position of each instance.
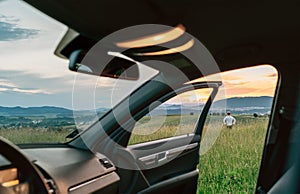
(35, 111)
(245, 105)
(237, 105)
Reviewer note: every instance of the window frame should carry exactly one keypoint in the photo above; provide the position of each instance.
(214, 85)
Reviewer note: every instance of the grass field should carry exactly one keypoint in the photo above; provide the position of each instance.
(230, 166)
(161, 127)
(28, 135)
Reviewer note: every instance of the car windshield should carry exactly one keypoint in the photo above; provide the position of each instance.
(41, 99)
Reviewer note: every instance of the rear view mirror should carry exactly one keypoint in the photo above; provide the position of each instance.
(120, 66)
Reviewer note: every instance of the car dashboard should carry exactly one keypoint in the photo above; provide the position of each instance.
(67, 170)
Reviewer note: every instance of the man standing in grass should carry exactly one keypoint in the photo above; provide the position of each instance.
(229, 120)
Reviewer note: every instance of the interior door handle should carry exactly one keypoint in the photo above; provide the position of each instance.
(164, 158)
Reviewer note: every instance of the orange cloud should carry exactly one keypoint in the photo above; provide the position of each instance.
(253, 81)
(272, 75)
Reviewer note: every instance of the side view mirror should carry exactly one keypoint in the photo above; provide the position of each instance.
(121, 66)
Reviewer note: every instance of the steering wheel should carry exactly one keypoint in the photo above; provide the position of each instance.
(31, 180)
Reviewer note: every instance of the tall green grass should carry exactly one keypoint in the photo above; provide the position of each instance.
(29, 135)
(232, 164)
(162, 127)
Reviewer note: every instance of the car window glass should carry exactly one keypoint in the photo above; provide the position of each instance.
(177, 116)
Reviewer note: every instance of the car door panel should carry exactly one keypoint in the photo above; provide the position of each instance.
(168, 165)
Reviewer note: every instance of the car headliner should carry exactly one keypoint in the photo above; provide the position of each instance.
(237, 33)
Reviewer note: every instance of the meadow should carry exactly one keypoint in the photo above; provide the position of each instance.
(29, 135)
(230, 166)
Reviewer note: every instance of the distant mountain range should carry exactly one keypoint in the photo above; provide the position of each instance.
(240, 102)
(245, 105)
(236, 105)
(35, 111)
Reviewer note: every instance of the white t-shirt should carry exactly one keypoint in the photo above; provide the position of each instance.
(229, 120)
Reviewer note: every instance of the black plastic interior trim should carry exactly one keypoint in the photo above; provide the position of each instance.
(172, 181)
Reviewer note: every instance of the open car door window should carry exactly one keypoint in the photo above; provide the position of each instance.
(165, 142)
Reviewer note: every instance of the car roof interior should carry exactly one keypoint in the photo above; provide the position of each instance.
(237, 33)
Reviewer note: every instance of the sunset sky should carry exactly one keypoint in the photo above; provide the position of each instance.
(30, 74)
(259, 80)
(252, 81)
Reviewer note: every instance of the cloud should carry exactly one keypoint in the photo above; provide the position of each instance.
(24, 90)
(9, 86)
(4, 83)
(23, 82)
(19, 88)
(3, 89)
(30, 91)
(272, 75)
(231, 83)
(10, 31)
